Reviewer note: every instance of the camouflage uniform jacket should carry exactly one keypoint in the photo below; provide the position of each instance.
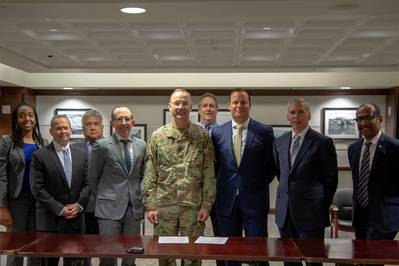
(179, 168)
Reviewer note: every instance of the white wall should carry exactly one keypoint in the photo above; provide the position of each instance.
(149, 110)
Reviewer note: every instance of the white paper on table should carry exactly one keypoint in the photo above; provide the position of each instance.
(173, 240)
(211, 240)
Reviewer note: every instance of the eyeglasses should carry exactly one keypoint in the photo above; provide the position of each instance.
(120, 120)
(183, 104)
(366, 118)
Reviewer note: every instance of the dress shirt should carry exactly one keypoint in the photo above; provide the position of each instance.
(129, 147)
(202, 124)
(373, 147)
(301, 135)
(59, 149)
(244, 133)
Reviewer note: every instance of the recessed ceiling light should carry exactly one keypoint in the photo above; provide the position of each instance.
(133, 10)
(67, 88)
(267, 28)
(53, 30)
(345, 88)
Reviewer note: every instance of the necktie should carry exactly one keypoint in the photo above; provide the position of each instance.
(128, 159)
(208, 128)
(295, 148)
(237, 143)
(362, 186)
(67, 166)
(90, 146)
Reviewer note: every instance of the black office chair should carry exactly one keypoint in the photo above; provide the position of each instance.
(341, 212)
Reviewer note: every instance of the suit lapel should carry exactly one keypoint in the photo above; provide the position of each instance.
(248, 139)
(118, 153)
(379, 153)
(356, 161)
(20, 153)
(75, 159)
(135, 149)
(56, 160)
(306, 144)
(228, 133)
(285, 148)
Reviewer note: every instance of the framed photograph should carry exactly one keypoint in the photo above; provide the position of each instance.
(223, 116)
(138, 131)
(339, 123)
(279, 130)
(75, 117)
(167, 116)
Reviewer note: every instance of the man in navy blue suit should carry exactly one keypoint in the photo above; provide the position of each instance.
(374, 160)
(244, 168)
(308, 176)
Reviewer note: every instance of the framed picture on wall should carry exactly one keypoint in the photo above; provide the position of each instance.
(339, 123)
(279, 130)
(138, 131)
(75, 117)
(167, 116)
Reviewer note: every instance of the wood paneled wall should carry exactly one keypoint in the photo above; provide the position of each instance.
(13, 96)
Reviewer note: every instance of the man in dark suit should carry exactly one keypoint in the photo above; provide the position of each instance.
(308, 176)
(59, 184)
(244, 167)
(374, 160)
(116, 170)
(92, 124)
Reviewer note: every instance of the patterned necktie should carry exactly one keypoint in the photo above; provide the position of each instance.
(295, 148)
(90, 146)
(362, 186)
(128, 159)
(67, 166)
(237, 143)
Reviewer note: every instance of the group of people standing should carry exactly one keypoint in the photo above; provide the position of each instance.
(190, 172)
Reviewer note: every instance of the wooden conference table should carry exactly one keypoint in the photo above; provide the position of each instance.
(349, 251)
(10, 243)
(236, 248)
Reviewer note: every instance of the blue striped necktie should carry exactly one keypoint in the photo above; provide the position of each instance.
(126, 153)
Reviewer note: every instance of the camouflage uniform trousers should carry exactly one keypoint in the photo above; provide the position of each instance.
(175, 219)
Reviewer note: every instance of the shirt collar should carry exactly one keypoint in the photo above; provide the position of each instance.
(375, 139)
(202, 124)
(300, 134)
(59, 147)
(234, 123)
(119, 138)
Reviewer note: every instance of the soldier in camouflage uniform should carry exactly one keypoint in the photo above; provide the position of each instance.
(179, 181)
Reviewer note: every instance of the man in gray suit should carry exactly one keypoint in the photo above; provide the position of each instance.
(115, 173)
